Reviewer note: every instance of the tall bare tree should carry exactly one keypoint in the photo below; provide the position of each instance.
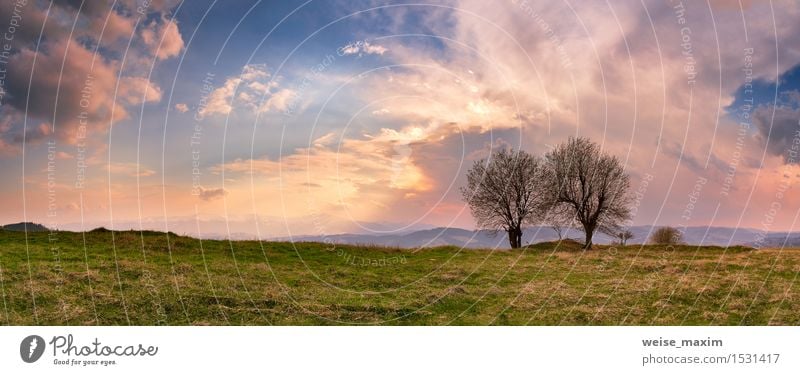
(506, 191)
(593, 184)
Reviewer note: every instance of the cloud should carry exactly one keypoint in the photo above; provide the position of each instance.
(483, 76)
(52, 92)
(60, 78)
(210, 194)
(732, 5)
(355, 163)
(137, 90)
(376, 168)
(219, 101)
(8, 149)
(361, 48)
(129, 170)
(163, 38)
(538, 74)
(181, 107)
(254, 73)
(254, 90)
(779, 131)
(279, 101)
(325, 140)
(116, 27)
(61, 155)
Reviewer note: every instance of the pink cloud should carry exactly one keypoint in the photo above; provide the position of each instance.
(64, 82)
(163, 38)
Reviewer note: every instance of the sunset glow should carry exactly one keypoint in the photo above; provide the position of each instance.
(331, 117)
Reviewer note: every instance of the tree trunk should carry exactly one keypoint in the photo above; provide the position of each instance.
(558, 231)
(515, 237)
(589, 233)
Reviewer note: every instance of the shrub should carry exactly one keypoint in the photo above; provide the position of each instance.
(666, 236)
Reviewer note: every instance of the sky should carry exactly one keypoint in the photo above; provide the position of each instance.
(282, 118)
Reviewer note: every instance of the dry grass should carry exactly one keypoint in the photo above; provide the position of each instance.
(312, 283)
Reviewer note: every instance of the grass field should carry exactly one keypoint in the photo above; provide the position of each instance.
(149, 278)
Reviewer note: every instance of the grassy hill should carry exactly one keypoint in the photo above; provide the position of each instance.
(25, 227)
(119, 278)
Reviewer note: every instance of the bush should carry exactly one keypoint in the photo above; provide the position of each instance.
(666, 236)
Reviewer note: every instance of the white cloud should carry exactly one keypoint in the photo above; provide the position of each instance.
(362, 48)
(219, 101)
(253, 90)
(279, 101)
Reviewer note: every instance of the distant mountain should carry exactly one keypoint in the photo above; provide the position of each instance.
(22, 227)
(707, 236)
(420, 236)
(244, 227)
(778, 240)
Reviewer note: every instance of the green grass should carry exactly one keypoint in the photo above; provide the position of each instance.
(151, 278)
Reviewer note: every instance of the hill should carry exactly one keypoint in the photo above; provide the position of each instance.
(27, 226)
(778, 240)
(483, 239)
(150, 278)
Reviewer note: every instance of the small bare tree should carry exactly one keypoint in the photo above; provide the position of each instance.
(560, 217)
(592, 183)
(666, 236)
(624, 236)
(505, 191)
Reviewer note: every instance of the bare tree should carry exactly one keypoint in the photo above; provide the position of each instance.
(592, 183)
(506, 191)
(624, 236)
(560, 217)
(666, 236)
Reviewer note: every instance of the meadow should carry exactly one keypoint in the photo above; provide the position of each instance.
(151, 278)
